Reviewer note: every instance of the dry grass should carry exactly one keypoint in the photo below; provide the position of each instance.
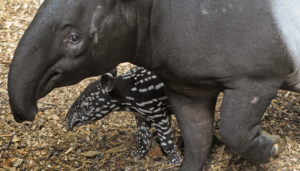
(106, 145)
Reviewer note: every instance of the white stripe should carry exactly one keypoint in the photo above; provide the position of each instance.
(158, 86)
(129, 98)
(167, 132)
(158, 115)
(127, 104)
(144, 90)
(157, 110)
(145, 103)
(151, 87)
(163, 98)
(141, 111)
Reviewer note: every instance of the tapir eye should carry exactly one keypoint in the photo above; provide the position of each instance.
(74, 39)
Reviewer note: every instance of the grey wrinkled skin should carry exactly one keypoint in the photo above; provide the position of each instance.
(139, 91)
(197, 47)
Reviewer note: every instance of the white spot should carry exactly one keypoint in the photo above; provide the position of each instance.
(97, 109)
(224, 10)
(112, 106)
(117, 108)
(98, 115)
(254, 100)
(104, 112)
(134, 89)
(204, 11)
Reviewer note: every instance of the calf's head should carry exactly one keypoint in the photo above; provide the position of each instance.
(66, 42)
(94, 103)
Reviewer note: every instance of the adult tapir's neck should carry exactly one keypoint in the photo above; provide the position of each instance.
(142, 53)
(134, 16)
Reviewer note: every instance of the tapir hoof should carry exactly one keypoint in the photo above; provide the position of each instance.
(277, 147)
(173, 158)
(139, 153)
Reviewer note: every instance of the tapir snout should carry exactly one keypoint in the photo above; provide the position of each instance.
(62, 46)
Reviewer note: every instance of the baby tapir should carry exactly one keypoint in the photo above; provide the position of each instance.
(138, 91)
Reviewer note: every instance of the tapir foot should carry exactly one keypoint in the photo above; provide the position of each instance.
(277, 147)
(173, 158)
(241, 113)
(139, 153)
(143, 132)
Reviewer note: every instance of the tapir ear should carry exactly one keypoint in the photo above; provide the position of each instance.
(113, 72)
(107, 82)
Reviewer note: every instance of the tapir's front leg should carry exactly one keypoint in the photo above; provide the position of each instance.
(143, 131)
(195, 119)
(241, 113)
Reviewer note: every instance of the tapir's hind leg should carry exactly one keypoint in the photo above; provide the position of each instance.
(195, 118)
(241, 113)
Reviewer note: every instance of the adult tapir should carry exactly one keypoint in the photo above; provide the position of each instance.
(246, 48)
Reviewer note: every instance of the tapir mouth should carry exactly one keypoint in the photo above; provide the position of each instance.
(47, 83)
(76, 123)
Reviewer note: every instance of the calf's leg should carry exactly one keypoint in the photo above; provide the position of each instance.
(163, 128)
(143, 131)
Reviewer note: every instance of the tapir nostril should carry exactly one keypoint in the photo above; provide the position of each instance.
(18, 119)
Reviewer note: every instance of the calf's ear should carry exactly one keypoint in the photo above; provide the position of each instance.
(107, 82)
(113, 72)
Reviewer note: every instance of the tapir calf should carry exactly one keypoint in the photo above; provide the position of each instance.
(139, 91)
(248, 49)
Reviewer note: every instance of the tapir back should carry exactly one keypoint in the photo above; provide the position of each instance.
(217, 42)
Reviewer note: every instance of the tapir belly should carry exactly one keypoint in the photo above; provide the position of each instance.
(287, 16)
(217, 42)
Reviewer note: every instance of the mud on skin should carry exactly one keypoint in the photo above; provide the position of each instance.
(139, 91)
